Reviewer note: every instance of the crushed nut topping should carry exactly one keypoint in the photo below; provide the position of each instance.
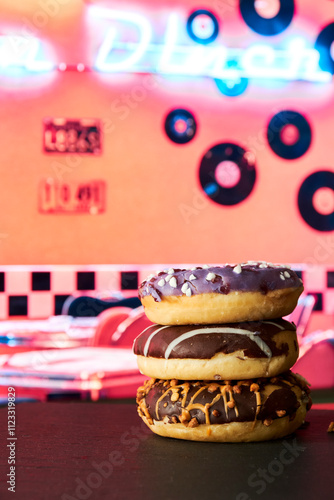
(184, 287)
(192, 277)
(174, 397)
(280, 413)
(237, 269)
(231, 404)
(286, 274)
(161, 282)
(267, 422)
(213, 387)
(193, 422)
(215, 413)
(331, 427)
(254, 388)
(185, 416)
(170, 271)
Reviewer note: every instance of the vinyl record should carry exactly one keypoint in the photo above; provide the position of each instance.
(227, 173)
(180, 126)
(306, 204)
(263, 25)
(202, 26)
(232, 88)
(287, 149)
(324, 44)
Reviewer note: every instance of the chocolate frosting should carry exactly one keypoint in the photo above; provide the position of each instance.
(221, 402)
(160, 342)
(248, 277)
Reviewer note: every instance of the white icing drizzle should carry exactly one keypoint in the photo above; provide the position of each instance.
(148, 341)
(275, 324)
(255, 338)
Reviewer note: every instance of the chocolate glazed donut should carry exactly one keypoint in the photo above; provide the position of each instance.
(207, 295)
(229, 351)
(246, 410)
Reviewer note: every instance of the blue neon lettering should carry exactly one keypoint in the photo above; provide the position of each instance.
(296, 62)
(22, 52)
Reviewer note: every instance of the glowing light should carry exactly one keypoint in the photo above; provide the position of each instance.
(145, 33)
(294, 62)
(24, 53)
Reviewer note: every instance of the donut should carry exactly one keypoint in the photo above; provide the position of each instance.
(217, 352)
(225, 411)
(207, 295)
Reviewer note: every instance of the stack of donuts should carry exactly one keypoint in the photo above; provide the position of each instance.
(219, 353)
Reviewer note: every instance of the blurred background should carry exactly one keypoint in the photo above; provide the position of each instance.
(142, 135)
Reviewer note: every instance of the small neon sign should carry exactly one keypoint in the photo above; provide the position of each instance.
(296, 61)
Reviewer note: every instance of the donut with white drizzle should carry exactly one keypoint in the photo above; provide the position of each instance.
(250, 291)
(217, 352)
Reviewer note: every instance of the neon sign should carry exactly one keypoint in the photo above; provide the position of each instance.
(25, 53)
(170, 56)
(296, 61)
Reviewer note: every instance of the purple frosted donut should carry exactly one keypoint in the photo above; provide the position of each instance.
(250, 291)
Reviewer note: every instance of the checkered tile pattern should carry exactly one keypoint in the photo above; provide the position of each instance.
(40, 292)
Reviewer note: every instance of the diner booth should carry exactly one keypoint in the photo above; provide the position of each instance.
(140, 136)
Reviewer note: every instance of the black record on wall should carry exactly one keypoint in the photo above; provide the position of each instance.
(289, 150)
(202, 26)
(307, 208)
(180, 126)
(264, 25)
(324, 45)
(227, 173)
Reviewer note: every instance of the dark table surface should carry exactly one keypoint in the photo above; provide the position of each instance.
(91, 451)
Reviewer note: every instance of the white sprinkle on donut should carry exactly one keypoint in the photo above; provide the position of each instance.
(210, 277)
(188, 292)
(170, 271)
(286, 274)
(237, 269)
(162, 282)
(192, 277)
(184, 287)
(173, 282)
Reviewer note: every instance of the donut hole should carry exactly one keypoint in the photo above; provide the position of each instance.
(227, 174)
(289, 135)
(323, 201)
(267, 8)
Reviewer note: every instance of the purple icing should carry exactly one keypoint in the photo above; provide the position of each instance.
(254, 277)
